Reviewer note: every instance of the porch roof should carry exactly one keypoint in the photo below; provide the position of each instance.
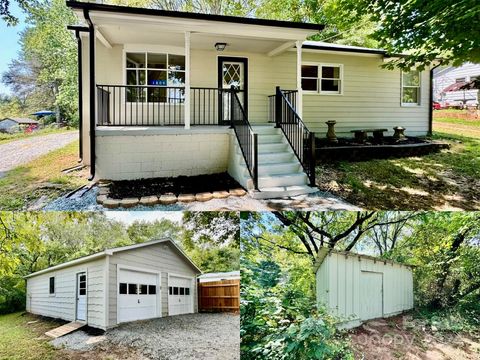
(157, 22)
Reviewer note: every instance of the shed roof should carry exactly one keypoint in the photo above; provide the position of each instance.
(21, 120)
(324, 251)
(109, 252)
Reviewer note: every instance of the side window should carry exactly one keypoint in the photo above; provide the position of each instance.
(411, 88)
(322, 78)
(152, 289)
(123, 288)
(51, 289)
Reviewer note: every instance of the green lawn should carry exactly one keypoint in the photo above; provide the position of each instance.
(5, 138)
(474, 123)
(23, 341)
(449, 179)
(42, 178)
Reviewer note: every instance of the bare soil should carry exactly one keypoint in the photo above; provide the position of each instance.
(397, 339)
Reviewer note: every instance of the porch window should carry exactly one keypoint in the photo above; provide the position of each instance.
(158, 77)
(411, 88)
(322, 78)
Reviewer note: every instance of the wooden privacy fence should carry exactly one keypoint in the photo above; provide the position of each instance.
(219, 296)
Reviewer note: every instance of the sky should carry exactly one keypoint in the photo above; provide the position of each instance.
(9, 46)
(128, 217)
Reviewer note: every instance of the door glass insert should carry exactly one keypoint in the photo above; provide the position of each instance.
(232, 75)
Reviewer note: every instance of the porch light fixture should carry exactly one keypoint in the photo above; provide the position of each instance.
(220, 46)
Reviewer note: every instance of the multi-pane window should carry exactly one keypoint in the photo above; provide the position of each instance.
(158, 71)
(322, 78)
(82, 285)
(173, 290)
(137, 289)
(411, 88)
(51, 288)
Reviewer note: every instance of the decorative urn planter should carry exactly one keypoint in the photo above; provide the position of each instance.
(331, 136)
(399, 133)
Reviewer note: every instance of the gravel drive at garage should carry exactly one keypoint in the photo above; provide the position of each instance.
(19, 152)
(193, 336)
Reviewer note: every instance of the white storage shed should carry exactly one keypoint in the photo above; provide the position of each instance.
(128, 283)
(357, 287)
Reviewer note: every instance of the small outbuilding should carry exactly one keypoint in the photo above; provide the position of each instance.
(136, 282)
(13, 124)
(357, 287)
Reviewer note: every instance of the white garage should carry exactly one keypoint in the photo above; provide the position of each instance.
(180, 295)
(128, 283)
(356, 287)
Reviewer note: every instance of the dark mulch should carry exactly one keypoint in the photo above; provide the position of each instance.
(172, 185)
(387, 140)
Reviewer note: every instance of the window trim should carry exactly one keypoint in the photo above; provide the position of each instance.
(319, 79)
(419, 87)
(145, 51)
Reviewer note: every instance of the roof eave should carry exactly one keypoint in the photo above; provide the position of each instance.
(192, 16)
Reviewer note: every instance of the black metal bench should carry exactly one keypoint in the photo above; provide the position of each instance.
(361, 134)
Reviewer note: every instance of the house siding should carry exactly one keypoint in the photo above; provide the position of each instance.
(339, 287)
(62, 304)
(159, 257)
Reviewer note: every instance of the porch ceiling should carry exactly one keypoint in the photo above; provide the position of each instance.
(158, 35)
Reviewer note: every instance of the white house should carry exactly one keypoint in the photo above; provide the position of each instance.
(167, 93)
(129, 283)
(357, 287)
(13, 124)
(447, 83)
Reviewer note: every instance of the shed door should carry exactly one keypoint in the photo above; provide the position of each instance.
(81, 296)
(138, 295)
(371, 285)
(180, 295)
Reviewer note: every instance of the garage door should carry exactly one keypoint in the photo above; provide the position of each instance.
(180, 295)
(138, 295)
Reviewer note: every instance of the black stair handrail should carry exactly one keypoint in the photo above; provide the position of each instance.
(301, 140)
(247, 139)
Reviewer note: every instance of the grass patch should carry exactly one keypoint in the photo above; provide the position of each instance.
(41, 180)
(446, 180)
(474, 122)
(5, 138)
(19, 340)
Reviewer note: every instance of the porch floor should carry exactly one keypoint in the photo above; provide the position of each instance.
(160, 130)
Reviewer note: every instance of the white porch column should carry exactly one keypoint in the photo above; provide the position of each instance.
(187, 80)
(298, 45)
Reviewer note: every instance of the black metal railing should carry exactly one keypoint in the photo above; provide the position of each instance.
(140, 105)
(298, 136)
(147, 105)
(247, 139)
(290, 95)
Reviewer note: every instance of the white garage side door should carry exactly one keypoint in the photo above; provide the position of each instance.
(180, 295)
(138, 295)
(371, 285)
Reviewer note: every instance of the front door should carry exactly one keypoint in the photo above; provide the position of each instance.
(232, 71)
(81, 296)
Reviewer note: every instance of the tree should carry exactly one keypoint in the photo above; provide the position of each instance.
(445, 32)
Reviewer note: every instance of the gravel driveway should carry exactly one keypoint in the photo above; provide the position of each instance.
(193, 336)
(19, 152)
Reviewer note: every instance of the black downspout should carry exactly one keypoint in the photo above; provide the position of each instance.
(430, 109)
(80, 95)
(91, 53)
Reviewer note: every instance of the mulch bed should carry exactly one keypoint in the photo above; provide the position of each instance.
(349, 150)
(172, 185)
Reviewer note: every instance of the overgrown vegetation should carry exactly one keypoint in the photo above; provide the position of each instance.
(31, 241)
(279, 315)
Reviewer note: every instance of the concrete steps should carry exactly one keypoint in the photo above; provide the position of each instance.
(280, 174)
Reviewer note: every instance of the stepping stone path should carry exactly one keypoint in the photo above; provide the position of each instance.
(165, 199)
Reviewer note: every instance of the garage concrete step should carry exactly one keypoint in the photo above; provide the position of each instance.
(65, 329)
